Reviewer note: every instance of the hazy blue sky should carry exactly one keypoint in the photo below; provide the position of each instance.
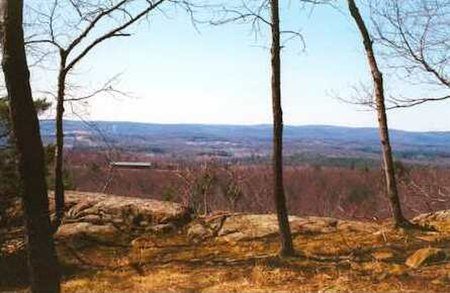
(221, 75)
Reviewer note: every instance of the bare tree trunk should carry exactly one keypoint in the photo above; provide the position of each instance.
(287, 248)
(42, 260)
(388, 163)
(59, 171)
(73, 53)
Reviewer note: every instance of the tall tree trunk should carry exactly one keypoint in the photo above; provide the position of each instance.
(42, 260)
(388, 163)
(59, 171)
(287, 248)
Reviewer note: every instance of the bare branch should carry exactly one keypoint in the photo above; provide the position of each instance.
(415, 40)
(407, 103)
(107, 88)
(116, 32)
(93, 23)
(363, 95)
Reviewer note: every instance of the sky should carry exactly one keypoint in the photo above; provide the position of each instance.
(175, 73)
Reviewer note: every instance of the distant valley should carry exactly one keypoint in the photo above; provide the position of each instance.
(327, 145)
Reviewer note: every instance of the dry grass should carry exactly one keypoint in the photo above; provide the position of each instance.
(349, 261)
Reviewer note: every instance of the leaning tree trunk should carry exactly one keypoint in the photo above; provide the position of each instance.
(388, 163)
(44, 272)
(287, 248)
(59, 171)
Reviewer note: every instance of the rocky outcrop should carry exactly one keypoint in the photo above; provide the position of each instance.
(241, 227)
(246, 227)
(116, 219)
(105, 218)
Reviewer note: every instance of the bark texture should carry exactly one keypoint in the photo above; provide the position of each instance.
(59, 171)
(287, 248)
(44, 272)
(388, 162)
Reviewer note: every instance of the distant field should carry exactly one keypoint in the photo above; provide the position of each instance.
(322, 145)
(355, 191)
(330, 171)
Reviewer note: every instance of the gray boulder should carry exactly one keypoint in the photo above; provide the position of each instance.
(117, 219)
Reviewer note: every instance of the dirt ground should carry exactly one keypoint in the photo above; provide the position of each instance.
(351, 259)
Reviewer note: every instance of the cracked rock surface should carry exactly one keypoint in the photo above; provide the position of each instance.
(110, 218)
(242, 227)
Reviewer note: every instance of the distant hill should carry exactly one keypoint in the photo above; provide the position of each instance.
(302, 143)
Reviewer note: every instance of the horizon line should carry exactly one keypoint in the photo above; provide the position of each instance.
(247, 125)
